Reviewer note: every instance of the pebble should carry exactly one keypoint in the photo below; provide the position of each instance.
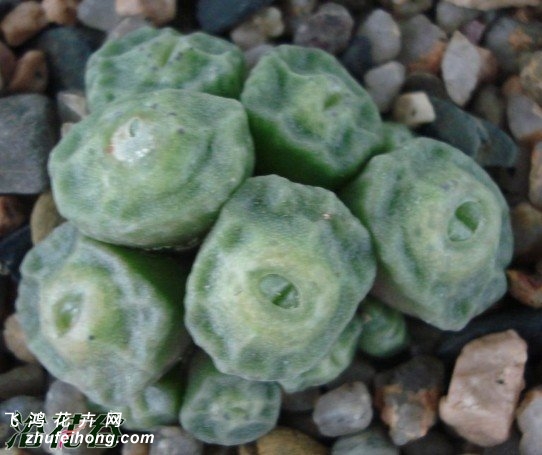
(413, 109)
(253, 55)
(489, 105)
(217, 16)
(13, 248)
(407, 397)
(303, 401)
(384, 35)
(7, 65)
(297, 11)
(12, 214)
(407, 8)
(529, 420)
(15, 340)
(281, 441)
(461, 68)
(44, 217)
(474, 31)
(344, 410)
(423, 45)
(175, 441)
(357, 58)
(485, 387)
(127, 25)
(28, 379)
(524, 118)
(433, 443)
(21, 403)
(428, 83)
(477, 138)
(31, 74)
(372, 441)
(63, 12)
(486, 5)
(23, 22)
(135, 448)
(98, 14)
(531, 77)
(257, 30)
(451, 17)
(159, 12)
(330, 29)
(535, 176)
(508, 38)
(7, 5)
(27, 134)
(71, 105)
(384, 84)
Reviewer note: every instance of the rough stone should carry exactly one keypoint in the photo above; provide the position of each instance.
(298, 11)
(27, 134)
(15, 340)
(44, 217)
(23, 22)
(529, 420)
(535, 176)
(357, 58)
(71, 105)
(423, 45)
(12, 214)
(489, 105)
(159, 12)
(98, 14)
(451, 17)
(486, 5)
(127, 25)
(135, 448)
(282, 441)
(175, 441)
(31, 74)
(485, 387)
(531, 77)
(384, 84)
(461, 68)
(413, 109)
(24, 380)
(383, 34)
(524, 118)
(344, 410)
(330, 29)
(63, 12)
(372, 441)
(407, 397)
(257, 30)
(217, 16)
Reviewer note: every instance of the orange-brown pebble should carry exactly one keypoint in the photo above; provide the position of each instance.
(23, 22)
(31, 74)
(15, 340)
(525, 287)
(157, 11)
(63, 12)
(283, 441)
(12, 214)
(512, 86)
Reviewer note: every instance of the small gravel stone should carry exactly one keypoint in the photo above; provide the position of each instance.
(27, 134)
(31, 74)
(486, 5)
(21, 403)
(63, 12)
(330, 29)
(451, 17)
(12, 214)
(44, 217)
(384, 84)
(525, 287)
(413, 109)
(28, 379)
(344, 410)
(253, 56)
(7, 5)
(282, 441)
(13, 248)
(357, 58)
(159, 12)
(432, 443)
(217, 16)
(127, 25)
(474, 31)
(300, 401)
(15, 340)
(524, 118)
(372, 441)
(531, 77)
(407, 397)
(98, 14)
(485, 388)
(383, 34)
(175, 441)
(71, 105)
(535, 176)
(508, 38)
(257, 30)
(527, 229)
(135, 448)
(23, 22)
(428, 83)
(461, 68)
(407, 8)
(358, 370)
(529, 419)
(490, 105)
(298, 11)
(7, 65)
(423, 44)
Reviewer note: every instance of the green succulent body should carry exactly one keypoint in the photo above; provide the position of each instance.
(149, 59)
(224, 409)
(277, 280)
(311, 121)
(154, 170)
(441, 231)
(103, 318)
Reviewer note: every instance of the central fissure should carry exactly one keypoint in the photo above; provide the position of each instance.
(465, 221)
(279, 291)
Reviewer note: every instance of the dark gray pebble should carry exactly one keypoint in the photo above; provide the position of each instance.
(27, 134)
(29, 379)
(217, 16)
(357, 57)
(98, 14)
(420, 81)
(67, 50)
(477, 138)
(12, 251)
